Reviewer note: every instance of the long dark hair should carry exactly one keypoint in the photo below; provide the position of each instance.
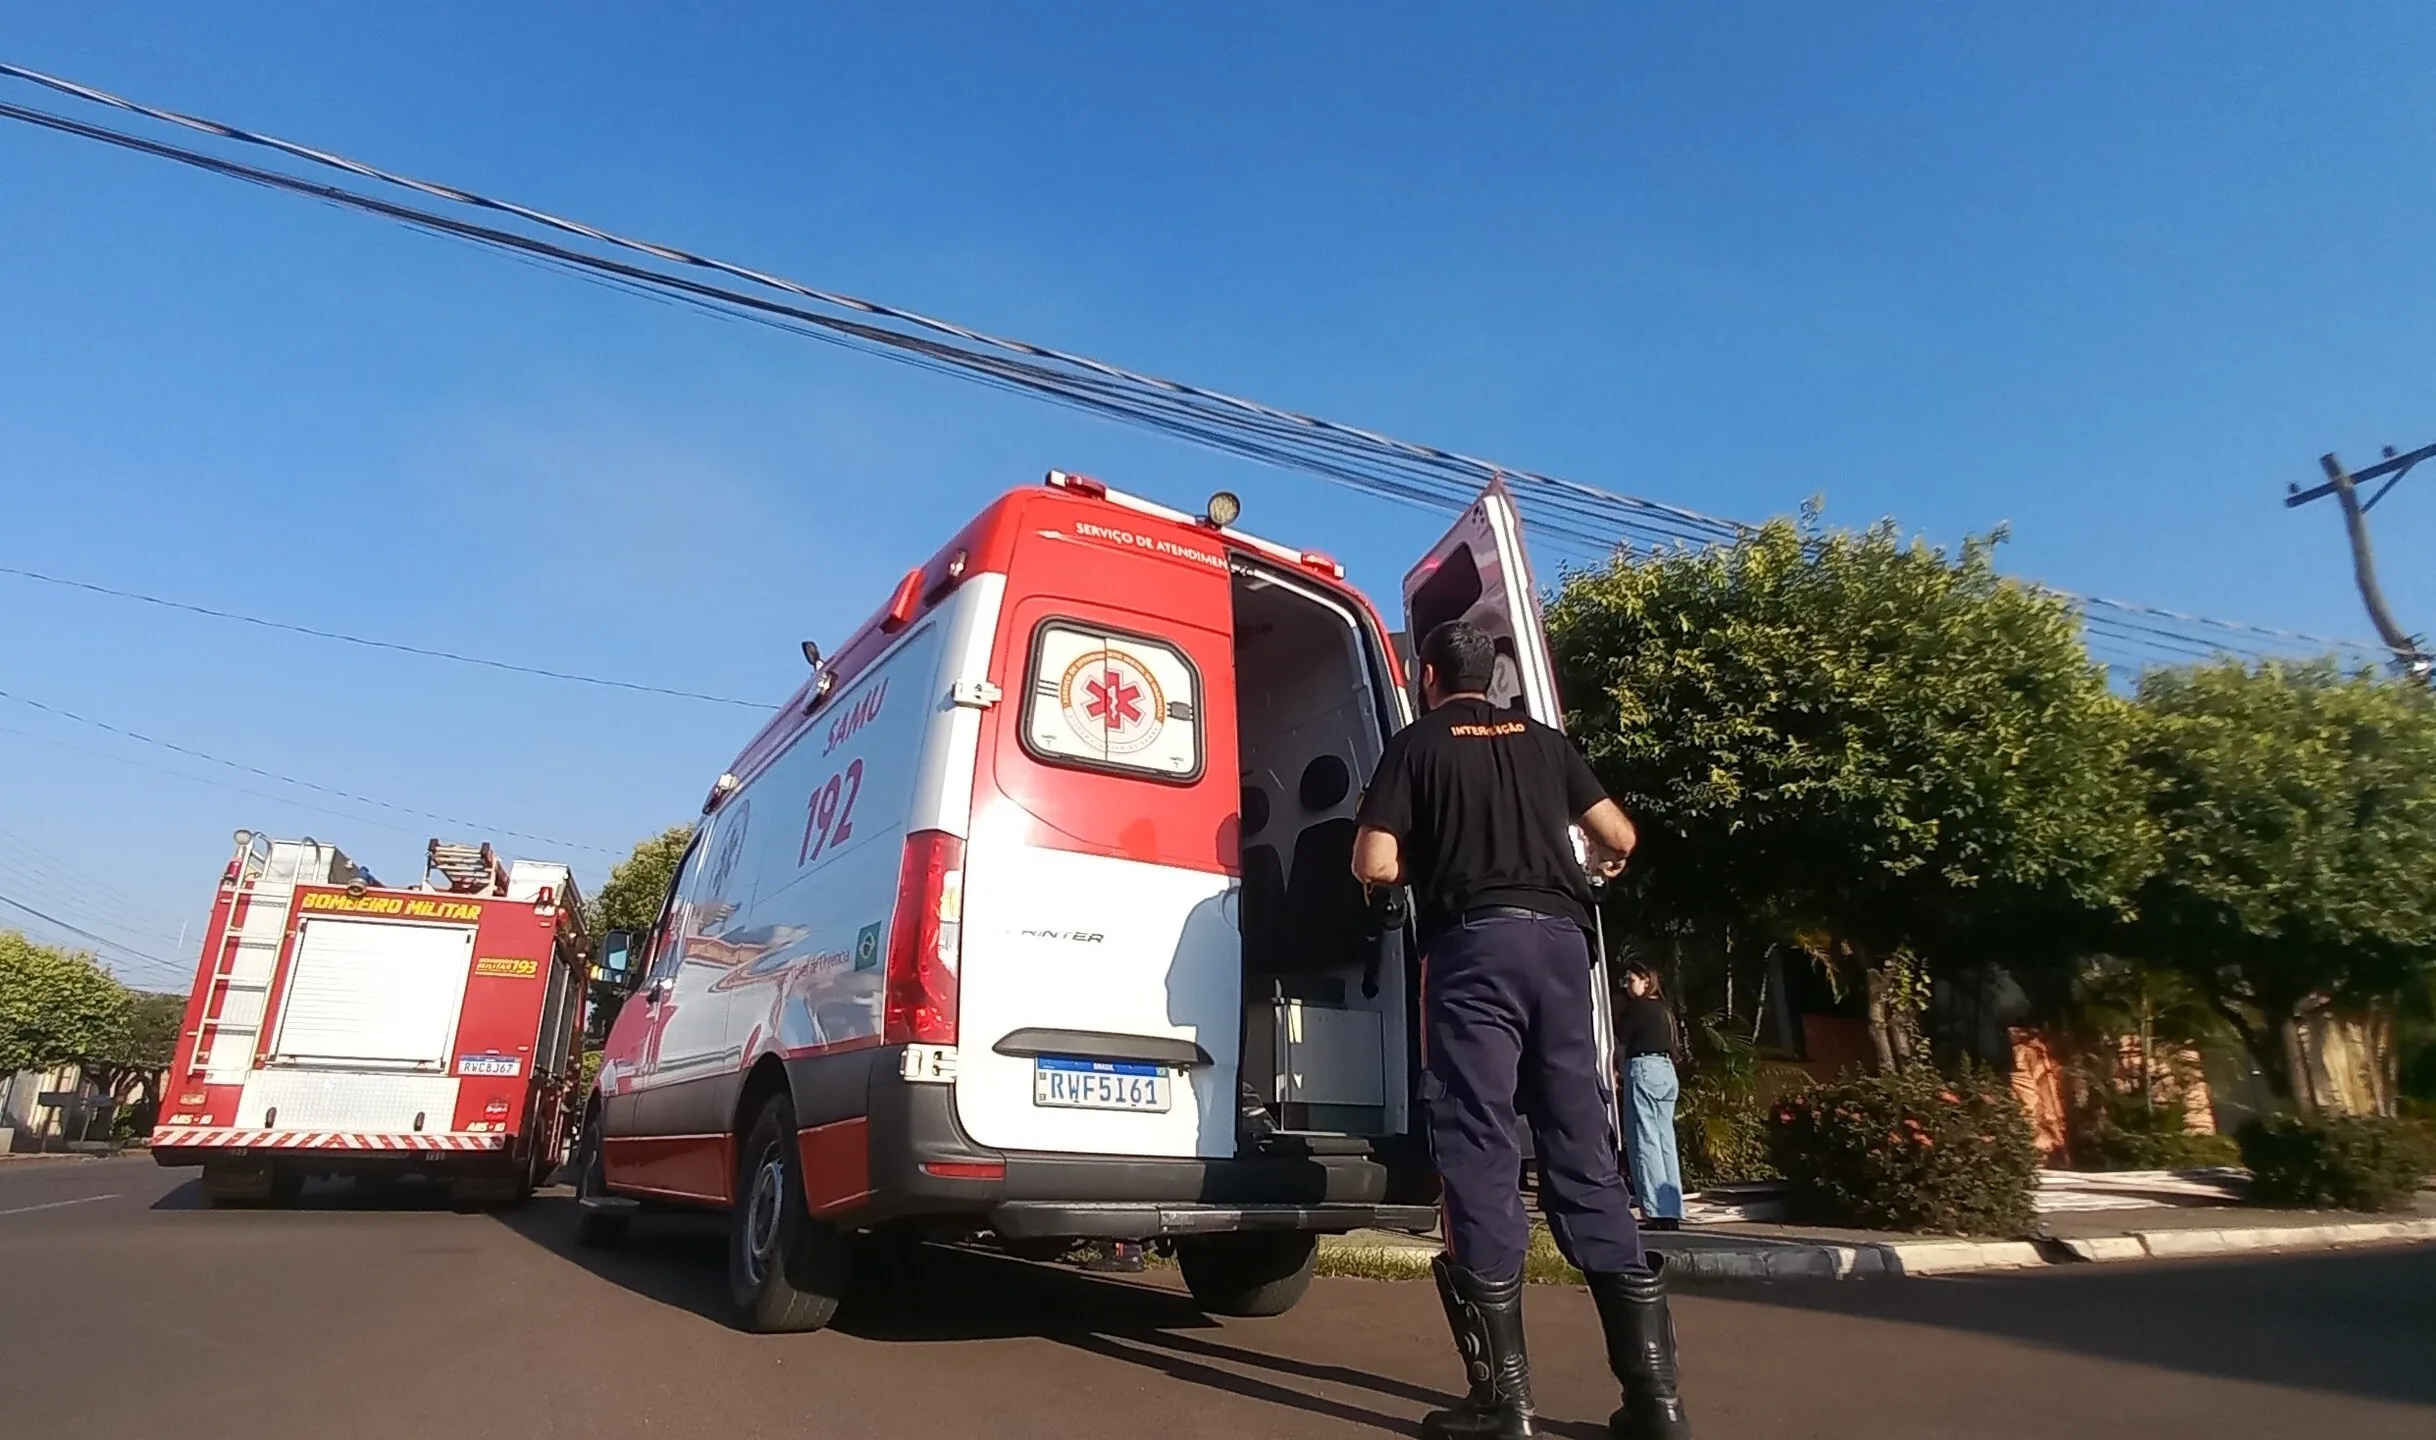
(1637, 971)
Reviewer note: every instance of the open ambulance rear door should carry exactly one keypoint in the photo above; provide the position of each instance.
(1480, 572)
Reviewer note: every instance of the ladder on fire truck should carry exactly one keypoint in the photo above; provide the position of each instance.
(244, 951)
(468, 869)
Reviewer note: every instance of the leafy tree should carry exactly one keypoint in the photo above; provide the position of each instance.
(631, 900)
(1881, 750)
(2296, 809)
(632, 897)
(143, 1049)
(56, 1006)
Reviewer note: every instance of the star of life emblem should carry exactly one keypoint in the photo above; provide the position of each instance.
(1112, 702)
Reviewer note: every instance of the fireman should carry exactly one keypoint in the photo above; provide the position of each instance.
(1471, 807)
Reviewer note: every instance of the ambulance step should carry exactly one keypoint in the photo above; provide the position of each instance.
(609, 1204)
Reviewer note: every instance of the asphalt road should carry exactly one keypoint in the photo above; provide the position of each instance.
(128, 1311)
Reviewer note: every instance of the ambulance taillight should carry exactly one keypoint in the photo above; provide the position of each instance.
(924, 942)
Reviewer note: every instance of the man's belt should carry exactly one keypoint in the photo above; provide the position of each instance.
(1504, 912)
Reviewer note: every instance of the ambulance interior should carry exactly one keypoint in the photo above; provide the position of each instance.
(1326, 1035)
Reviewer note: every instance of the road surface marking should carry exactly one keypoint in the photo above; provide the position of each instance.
(56, 1204)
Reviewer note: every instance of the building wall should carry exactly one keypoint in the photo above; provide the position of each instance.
(35, 1126)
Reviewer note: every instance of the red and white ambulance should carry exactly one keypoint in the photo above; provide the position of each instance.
(339, 1026)
(1031, 913)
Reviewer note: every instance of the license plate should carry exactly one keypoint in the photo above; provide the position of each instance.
(1098, 1084)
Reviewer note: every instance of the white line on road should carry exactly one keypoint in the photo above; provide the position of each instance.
(56, 1204)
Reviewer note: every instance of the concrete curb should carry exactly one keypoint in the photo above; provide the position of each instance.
(1721, 1259)
(2175, 1244)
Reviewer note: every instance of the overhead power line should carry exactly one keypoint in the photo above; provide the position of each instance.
(82, 934)
(1573, 517)
(393, 645)
(472, 826)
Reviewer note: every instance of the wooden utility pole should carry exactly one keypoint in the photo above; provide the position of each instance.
(2411, 656)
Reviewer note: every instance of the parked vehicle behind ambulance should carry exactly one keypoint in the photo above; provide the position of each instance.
(1031, 913)
(339, 1026)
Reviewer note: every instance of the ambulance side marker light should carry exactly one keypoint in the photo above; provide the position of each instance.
(906, 603)
(1322, 564)
(1080, 484)
(949, 577)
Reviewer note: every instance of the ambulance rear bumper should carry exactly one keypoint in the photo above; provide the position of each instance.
(1022, 1220)
(923, 1164)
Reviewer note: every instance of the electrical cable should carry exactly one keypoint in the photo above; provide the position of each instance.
(393, 645)
(273, 775)
(60, 870)
(205, 780)
(91, 911)
(83, 934)
(1575, 516)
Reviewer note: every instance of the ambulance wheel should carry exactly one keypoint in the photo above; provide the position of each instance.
(786, 1271)
(595, 1229)
(1257, 1273)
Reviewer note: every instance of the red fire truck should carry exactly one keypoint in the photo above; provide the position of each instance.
(343, 1027)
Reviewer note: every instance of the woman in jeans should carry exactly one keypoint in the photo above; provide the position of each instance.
(1645, 1038)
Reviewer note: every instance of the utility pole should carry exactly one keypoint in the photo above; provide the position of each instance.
(2411, 655)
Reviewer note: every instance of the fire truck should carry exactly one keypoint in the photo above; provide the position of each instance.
(342, 1027)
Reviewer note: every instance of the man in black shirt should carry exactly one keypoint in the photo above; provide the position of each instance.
(1472, 807)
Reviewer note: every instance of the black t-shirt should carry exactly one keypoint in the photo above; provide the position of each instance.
(1480, 801)
(1644, 1026)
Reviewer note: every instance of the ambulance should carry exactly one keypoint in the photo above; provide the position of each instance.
(1030, 915)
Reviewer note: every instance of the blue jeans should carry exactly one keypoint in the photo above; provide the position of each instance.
(1657, 1176)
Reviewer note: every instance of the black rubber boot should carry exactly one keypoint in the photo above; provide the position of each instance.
(1641, 1351)
(1487, 1320)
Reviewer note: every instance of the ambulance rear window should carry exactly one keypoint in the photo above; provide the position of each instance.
(1105, 700)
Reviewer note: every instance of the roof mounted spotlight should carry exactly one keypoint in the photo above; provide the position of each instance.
(812, 653)
(1223, 510)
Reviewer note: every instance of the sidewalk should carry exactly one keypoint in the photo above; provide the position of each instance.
(2158, 1217)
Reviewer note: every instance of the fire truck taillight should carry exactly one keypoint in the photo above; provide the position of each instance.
(925, 940)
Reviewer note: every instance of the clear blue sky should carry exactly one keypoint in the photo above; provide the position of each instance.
(2111, 273)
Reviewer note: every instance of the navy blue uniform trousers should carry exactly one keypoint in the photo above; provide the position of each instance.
(1506, 1016)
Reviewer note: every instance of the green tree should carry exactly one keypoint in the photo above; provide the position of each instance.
(2296, 809)
(56, 1006)
(143, 1049)
(1882, 751)
(631, 898)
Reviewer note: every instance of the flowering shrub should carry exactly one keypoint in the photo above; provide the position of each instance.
(1910, 1151)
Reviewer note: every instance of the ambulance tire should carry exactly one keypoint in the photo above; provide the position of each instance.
(786, 1271)
(595, 1229)
(1252, 1274)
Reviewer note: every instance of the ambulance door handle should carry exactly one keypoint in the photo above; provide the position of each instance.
(657, 991)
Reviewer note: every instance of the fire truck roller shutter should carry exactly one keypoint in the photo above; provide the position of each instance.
(374, 992)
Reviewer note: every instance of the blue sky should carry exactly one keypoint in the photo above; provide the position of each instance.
(2112, 274)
